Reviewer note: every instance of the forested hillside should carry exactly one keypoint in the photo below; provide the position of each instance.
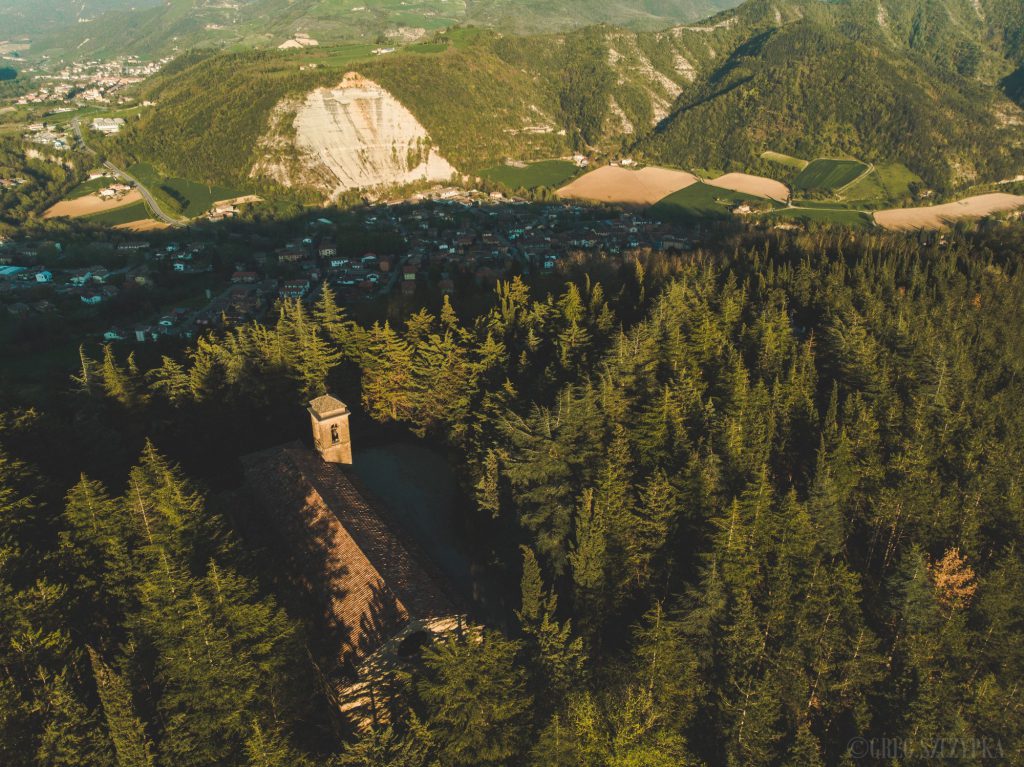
(43, 16)
(807, 89)
(150, 29)
(38, 180)
(759, 502)
(803, 77)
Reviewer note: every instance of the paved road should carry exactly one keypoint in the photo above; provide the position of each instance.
(146, 195)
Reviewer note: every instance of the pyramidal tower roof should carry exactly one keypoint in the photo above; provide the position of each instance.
(327, 406)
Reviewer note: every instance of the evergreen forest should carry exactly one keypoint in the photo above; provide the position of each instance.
(756, 505)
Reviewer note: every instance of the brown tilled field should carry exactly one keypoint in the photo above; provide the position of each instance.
(143, 225)
(940, 216)
(620, 186)
(87, 206)
(755, 185)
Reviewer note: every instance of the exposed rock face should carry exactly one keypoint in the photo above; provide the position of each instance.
(353, 136)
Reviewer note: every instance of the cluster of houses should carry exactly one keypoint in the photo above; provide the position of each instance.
(48, 135)
(97, 82)
(89, 285)
(442, 242)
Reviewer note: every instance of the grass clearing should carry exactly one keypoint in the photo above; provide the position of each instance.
(836, 216)
(342, 55)
(184, 197)
(828, 175)
(824, 204)
(785, 159)
(701, 201)
(89, 187)
(868, 191)
(896, 178)
(137, 211)
(550, 173)
(466, 37)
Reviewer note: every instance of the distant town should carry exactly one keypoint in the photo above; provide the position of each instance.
(442, 242)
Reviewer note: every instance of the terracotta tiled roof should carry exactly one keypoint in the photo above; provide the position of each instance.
(367, 580)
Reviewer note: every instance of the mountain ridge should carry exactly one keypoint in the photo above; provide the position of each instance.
(178, 25)
(792, 76)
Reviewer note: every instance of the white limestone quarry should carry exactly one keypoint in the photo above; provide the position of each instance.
(353, 136)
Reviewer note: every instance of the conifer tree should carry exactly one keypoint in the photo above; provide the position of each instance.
(170, 380)
(559, 655)
(72, 736)
(119, 383)
(131, 744)
(94, 551)
(333, 322)
(387, 747)
(477, 702)
(388, 392)
(589, 555)
(271, 749)
(648, 531)
(444, 382)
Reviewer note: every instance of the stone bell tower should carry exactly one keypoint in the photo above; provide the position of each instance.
(330, 429)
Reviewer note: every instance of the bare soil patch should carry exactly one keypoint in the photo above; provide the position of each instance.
(759, 186)
(615, 185)
(89, 205)
(940, 216)
(144, 225)
(243, 200)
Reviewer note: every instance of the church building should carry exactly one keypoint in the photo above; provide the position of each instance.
(374, 586)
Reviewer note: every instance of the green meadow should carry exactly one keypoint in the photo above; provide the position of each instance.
(550, 173)
(701, 201)
(827, 175)
(137, 211)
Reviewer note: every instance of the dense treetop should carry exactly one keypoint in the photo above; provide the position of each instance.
(754, 502)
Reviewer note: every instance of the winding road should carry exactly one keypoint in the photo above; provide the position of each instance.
(151, 202)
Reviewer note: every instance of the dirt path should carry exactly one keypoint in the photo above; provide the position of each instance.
(842, 190)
